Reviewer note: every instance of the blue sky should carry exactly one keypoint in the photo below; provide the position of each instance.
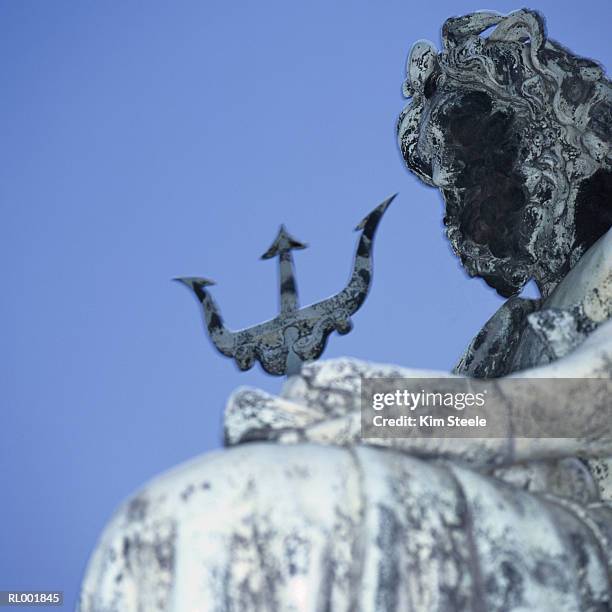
(143, 141)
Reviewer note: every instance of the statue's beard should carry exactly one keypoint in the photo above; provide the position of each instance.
(507, 240)
(487, 204)
(491, 243)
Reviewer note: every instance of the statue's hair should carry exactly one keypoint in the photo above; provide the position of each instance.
(518, 63)
(563, 103)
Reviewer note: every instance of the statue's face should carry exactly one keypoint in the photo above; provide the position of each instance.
(467, 144)
(469, 149)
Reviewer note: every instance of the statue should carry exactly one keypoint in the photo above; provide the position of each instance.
(514, 130)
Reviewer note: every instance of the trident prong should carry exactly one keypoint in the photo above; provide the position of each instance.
(296, 335)
(282, 246)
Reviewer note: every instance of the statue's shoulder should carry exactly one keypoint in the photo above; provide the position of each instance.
(492, 350)
(526, 333)
(589, 282)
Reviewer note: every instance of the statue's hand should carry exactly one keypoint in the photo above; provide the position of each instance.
(323, 404)
(334, 385)
(324, 393)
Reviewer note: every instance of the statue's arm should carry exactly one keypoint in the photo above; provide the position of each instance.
(323, 404)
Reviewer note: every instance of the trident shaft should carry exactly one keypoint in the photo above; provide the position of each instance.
(296, 335)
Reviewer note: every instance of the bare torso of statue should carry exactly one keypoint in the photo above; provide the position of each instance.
(299, 513)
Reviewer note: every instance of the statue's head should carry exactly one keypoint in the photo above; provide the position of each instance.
(515, 132)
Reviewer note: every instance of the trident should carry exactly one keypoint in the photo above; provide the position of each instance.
(296, 335)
